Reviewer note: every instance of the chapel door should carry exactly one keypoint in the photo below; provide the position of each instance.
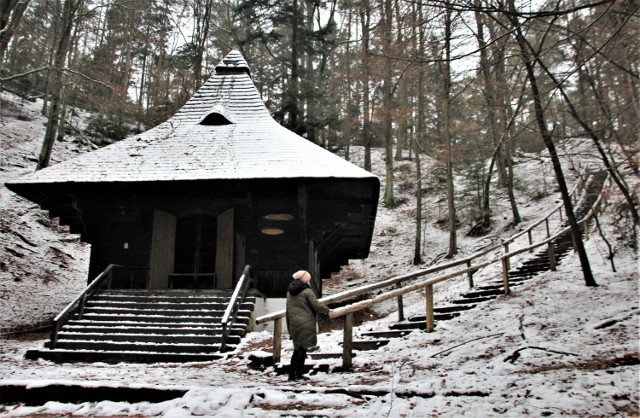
(224, 253)
(195, 253)
(161, 258)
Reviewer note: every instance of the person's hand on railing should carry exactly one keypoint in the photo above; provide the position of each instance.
(332, 314)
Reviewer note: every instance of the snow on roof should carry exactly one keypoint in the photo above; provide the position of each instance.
(223, 132)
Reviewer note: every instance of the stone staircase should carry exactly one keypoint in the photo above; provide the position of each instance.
(539, 262)
(148, 326)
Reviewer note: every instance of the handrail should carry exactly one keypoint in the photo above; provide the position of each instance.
(580, 184)
(79, 302)
(427, 285)
(231, 313)
(339, 297)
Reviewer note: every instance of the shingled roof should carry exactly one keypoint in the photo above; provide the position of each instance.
(223, 132)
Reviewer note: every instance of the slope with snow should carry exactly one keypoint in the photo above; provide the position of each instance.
(553, 348)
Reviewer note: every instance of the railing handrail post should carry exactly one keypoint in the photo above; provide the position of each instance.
(429, 317)
(236, 300)
(347, 342)
(400, 303)
(277, 340)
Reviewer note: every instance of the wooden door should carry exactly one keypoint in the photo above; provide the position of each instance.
(224, 250)
(163, 239)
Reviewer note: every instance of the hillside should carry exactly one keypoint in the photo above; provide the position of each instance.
(553, 348)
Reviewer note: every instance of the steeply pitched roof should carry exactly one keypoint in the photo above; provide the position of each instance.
(223, 132)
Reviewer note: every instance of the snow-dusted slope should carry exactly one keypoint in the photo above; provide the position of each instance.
(553, 348)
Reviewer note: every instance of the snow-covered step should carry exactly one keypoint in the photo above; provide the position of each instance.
(137, 346)
(67, 356)
(143, 329)
(203, 306)
(158, 317)
(146, 338)
(166, 325)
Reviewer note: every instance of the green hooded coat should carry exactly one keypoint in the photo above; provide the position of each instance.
(302, 309)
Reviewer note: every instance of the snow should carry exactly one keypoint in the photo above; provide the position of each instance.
(554, 347)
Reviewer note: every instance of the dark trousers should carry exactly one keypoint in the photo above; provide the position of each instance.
(297, 362)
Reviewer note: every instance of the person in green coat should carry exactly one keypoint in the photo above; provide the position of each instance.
(302, 310)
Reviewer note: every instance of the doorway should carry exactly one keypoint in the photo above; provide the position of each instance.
(195, 253)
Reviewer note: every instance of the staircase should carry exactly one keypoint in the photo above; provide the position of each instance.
(148, 326)
(527, 270)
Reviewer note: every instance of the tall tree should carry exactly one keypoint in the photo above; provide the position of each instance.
(387, 101)
(531, 57)
(65, 26)
(446, 133)
(11, 12)
(420, 131)
(367, 131)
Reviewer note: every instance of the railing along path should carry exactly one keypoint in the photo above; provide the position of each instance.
(466, 266)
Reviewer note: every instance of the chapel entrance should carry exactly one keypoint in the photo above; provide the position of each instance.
(195, 253)
(192, 252)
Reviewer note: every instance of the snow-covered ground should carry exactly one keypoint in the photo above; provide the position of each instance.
(554, 347)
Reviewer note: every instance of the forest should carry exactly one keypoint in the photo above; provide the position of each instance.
(469, 83)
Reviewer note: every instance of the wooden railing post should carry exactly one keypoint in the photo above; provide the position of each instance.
(552, 256)
(400, 304)
(347, 342)
(585, 227)
(109, 278)
(470, 275)
(506, 251)
(81, 305)
(428, 295)
(530, 237)
(54, 333)
(505, 275)
(546, 221)
(277, 341)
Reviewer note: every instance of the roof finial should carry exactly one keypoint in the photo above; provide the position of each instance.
(233, 63)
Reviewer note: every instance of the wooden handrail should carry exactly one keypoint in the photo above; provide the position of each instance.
(79, 302)
(342, 296)
(348, 310)
(231, 313)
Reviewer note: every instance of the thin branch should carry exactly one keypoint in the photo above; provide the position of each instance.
(467, 342)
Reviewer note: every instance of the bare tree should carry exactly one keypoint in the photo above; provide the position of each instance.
(66, 22)
(418, 138)
(446, 134)
(11, 12)
(387, 100)
(365, 21)
(530, 57)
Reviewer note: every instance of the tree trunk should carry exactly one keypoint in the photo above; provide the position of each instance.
(53, 122)
(202, 15)
(446, 73)
(365, 17)
(548, 141)
(11, 12)
(417, 251)
(387, 105)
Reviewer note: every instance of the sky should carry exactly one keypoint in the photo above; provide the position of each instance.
(554, 347)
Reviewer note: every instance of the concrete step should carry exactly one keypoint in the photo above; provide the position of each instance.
(471, 301)
(483, 293)
(146, 338)
(368, 345)
(115, 346)
(159, 318)
(386, 334)
(141, 328)
(70, 356)
(168, 306)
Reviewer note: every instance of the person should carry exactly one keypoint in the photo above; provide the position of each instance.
(302, 310)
